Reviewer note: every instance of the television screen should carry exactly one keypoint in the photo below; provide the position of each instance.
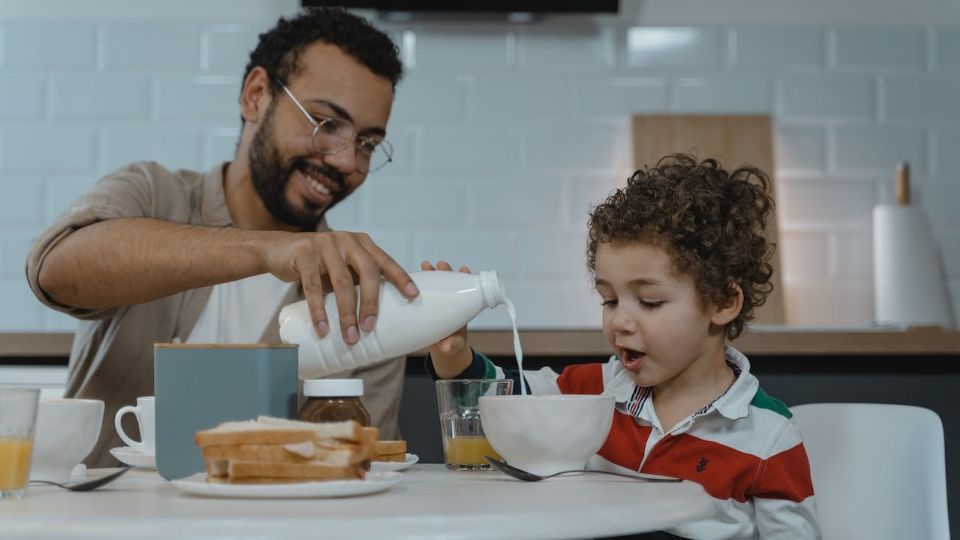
(534, 6)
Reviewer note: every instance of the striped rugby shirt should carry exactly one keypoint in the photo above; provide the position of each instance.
(744, 448)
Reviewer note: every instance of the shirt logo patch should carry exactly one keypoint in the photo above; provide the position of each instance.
(702, 464)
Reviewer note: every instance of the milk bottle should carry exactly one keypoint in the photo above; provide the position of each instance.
(447, 301)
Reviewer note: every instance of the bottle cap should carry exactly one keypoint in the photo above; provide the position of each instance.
(333, 387)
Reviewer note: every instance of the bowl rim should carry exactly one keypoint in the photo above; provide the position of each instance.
(68, 401)
(551, 397)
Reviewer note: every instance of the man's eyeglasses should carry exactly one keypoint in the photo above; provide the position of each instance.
(331, 135)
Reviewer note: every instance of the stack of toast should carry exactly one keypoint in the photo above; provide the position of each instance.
(276, 450)
(389, 451)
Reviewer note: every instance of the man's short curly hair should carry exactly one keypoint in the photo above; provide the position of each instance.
(711, 222)
(278, 49)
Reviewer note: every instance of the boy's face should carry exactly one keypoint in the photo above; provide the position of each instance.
(652, 316)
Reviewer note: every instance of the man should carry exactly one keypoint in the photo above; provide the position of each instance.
(153, 255)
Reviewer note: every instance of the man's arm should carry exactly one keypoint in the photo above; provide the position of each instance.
(133, 260)
(130, 261)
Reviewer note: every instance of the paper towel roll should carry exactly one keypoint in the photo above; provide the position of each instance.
(909, 282)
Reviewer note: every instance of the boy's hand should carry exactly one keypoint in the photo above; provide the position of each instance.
(451, 355)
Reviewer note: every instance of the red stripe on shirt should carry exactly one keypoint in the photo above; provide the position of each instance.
(581, 379)
(626, 441)
(725, 473)
(785, 476)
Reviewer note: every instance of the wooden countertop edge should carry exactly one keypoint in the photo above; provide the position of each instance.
(569, 343)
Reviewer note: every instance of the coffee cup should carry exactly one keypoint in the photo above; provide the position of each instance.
(66, 432)
(144, 412)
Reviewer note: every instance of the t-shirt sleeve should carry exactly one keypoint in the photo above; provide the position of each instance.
(126, 193)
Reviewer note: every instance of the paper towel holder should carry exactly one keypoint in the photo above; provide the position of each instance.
(901, 184)
(910, 285)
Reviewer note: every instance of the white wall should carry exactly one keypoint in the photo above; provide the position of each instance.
(506, 133)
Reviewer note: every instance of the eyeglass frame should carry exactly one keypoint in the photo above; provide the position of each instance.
(383, 145)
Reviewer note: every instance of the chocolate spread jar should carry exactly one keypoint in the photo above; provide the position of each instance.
(333, 400)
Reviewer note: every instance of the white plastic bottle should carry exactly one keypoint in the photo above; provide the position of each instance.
(447, 301)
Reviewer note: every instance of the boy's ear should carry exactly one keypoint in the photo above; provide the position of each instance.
(255, 95)
(730, 308)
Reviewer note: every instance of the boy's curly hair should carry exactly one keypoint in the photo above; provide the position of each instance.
(711, 222)
(278, 49)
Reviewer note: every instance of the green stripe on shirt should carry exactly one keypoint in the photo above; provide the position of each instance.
(763, 401)
(489, 370)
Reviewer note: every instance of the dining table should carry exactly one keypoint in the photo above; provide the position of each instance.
(428, 502)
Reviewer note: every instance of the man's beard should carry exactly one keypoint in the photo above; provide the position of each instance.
(271, 175)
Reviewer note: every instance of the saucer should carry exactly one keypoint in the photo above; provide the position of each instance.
(383, 466)
(134, 458)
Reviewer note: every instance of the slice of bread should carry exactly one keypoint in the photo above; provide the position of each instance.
(339, 455)
(347, 430)
(217, 469)
(386, 448)
(370, 435)
(239, 471)
(266, 430)
(391, 457)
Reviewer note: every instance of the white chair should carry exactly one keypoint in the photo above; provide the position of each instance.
(878, 470)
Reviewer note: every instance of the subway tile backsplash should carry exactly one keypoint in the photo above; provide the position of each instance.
(505, 136)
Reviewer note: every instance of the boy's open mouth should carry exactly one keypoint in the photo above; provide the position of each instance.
(632, 359)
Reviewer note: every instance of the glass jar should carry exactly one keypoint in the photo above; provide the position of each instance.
(333, 400)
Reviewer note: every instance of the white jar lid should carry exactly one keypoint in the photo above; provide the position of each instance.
(332, 387)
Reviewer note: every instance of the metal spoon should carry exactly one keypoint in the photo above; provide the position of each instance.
(521, 474)
(89, 484)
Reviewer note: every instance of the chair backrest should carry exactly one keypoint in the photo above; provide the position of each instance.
(878, 470)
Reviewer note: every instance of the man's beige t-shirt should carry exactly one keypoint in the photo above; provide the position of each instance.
(112, 355)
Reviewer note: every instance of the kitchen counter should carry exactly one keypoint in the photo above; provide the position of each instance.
(767, 340)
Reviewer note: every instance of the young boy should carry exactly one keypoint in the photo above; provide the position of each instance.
(680, 262)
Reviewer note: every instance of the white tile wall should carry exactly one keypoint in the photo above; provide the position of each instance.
(922, 100)
(506, 135)
(99, 97)
(946, 49)
(49, 45)
(827, 98)
(779, 49)
(150, 45)
(875, 49)
(22, 96)
(727, 93)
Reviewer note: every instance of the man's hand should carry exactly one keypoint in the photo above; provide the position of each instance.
(338, 261)
(451, 355)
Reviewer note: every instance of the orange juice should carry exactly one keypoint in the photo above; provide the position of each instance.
(14, 463)
(468, 451)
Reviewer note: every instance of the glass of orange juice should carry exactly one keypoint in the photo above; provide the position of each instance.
(464, 444)
(18, 418)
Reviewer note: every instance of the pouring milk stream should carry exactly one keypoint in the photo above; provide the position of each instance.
(447, 301)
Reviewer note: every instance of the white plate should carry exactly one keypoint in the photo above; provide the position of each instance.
(382, 466)
(134, 458)
(373, 483)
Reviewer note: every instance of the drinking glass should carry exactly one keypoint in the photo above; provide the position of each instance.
(464, 443)
(18, 419)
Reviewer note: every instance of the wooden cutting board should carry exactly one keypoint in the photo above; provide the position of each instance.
(733, 140)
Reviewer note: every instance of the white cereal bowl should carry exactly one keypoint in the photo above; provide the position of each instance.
(66, 431)
(547, 434)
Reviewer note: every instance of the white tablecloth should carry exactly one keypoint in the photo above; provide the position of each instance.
(430, 502)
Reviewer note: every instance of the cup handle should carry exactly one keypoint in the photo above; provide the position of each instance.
(136, 445)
